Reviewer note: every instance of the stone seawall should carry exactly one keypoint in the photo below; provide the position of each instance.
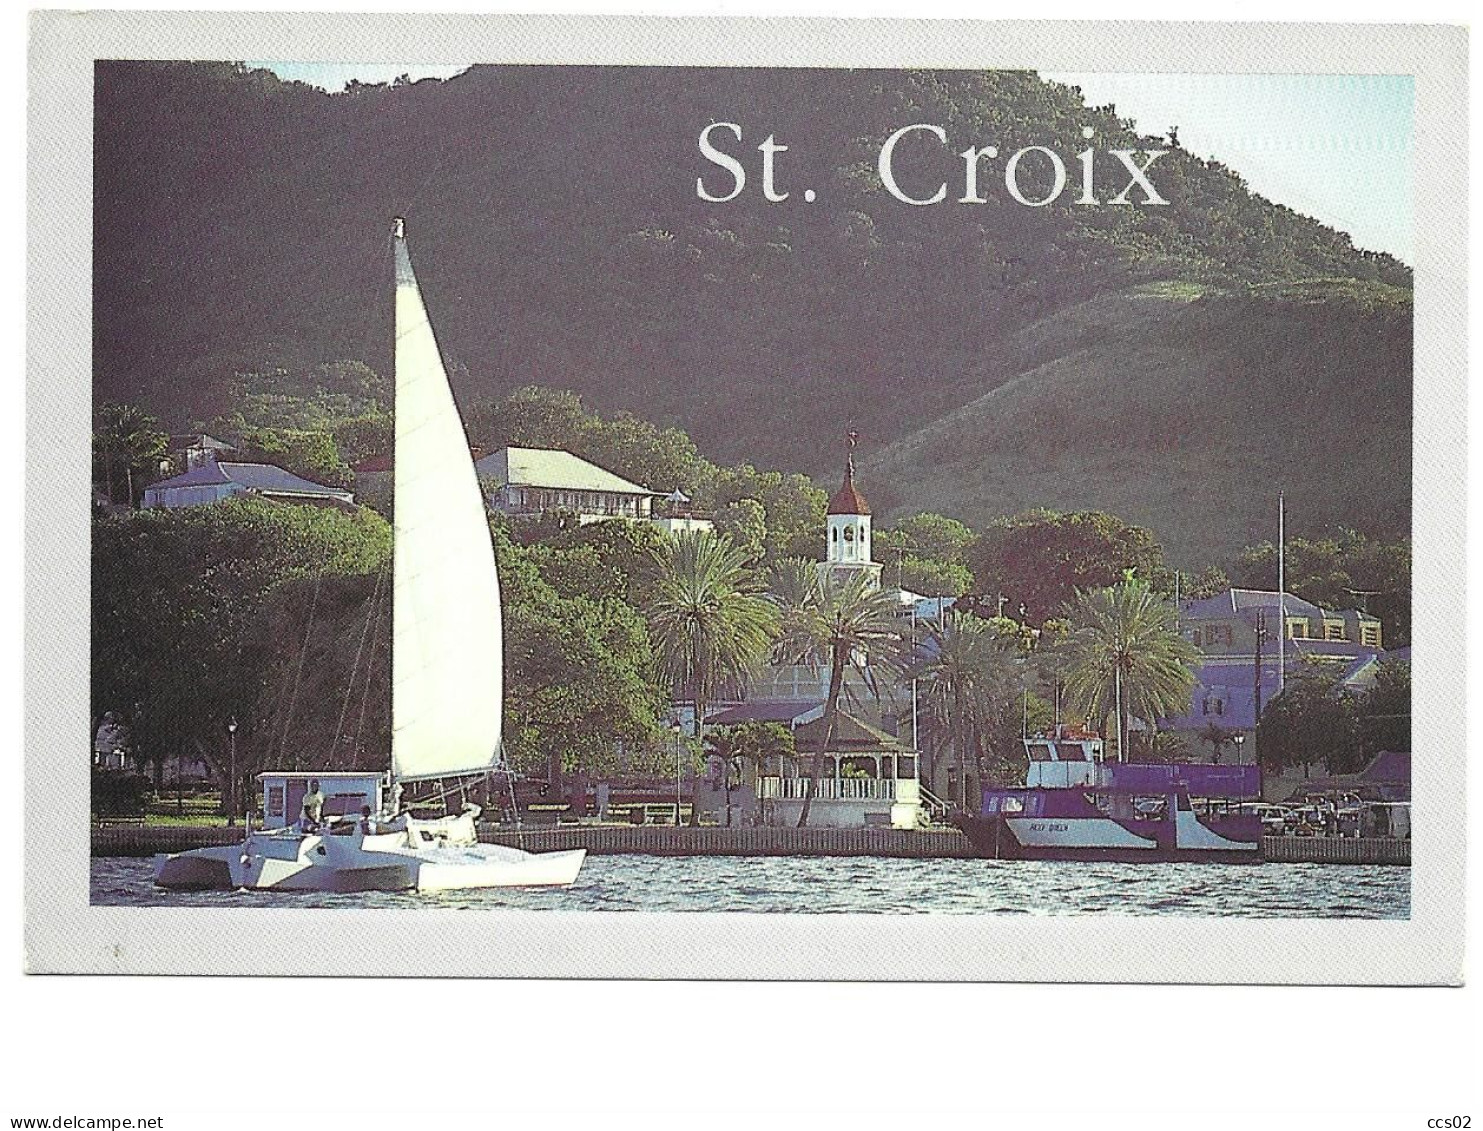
(666, 840)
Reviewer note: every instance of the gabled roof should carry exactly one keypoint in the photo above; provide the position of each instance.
(199, 440)
(262, 477)
(202, 475)
(849, 734)
(554, 469)
(789, 711)
(1389, 766)
(1235, 601)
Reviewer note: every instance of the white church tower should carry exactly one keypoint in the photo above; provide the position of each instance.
(847, 549)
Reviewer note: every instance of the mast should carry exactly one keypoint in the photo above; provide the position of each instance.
(1281, 593)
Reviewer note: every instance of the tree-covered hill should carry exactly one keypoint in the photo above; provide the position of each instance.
(1184, 412)
(241, 227)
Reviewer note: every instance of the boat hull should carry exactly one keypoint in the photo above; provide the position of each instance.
(999, 838)
(202, 869)
(477, 867)
(387, 862)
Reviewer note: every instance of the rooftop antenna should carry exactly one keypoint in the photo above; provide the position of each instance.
(1363, 595)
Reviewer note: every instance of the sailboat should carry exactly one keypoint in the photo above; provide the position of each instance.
(447, 698)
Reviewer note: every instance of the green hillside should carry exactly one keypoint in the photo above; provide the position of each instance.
(1046, 356)
(1184, 410)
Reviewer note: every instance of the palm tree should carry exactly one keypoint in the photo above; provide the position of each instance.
(965, 669)
(128, 439)
(846, 624)
(793, 588)
(1125, 657)
(1218, 737)
(710, 624)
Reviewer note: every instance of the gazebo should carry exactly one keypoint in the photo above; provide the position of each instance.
(866, 777)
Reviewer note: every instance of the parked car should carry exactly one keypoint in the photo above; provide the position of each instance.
(1274, 818)
(1307, 821)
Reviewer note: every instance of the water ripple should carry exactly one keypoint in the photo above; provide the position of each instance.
(813, 885)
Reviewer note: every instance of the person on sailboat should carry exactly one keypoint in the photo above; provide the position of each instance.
(313, 808)
(368, 823)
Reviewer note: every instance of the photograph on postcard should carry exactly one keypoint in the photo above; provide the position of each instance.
(751, 489)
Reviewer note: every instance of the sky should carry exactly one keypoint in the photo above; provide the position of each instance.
(334, 76)
(1334, 147)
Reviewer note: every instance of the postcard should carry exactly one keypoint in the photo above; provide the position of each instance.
(740, 502)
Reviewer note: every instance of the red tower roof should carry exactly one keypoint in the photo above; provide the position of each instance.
(848, 500)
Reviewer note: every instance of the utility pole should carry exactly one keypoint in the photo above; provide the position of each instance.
(1282, 592)
(231, 798)
(1261, 636)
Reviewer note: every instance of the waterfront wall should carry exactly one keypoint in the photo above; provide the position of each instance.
(1336, 850)
(662, 840)
(666, 840)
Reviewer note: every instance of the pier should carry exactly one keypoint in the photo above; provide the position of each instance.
(667, 840)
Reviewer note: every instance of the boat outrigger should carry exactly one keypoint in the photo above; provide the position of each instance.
(1075, 805)
(447, 682)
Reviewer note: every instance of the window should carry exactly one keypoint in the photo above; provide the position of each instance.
(834, 534)
(1333, 631)
(275, 801)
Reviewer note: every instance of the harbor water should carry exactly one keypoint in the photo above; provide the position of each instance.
(864, 884)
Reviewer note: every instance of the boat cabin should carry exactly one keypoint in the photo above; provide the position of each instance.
(1079, 761)
(344, 794)
(1062, 762)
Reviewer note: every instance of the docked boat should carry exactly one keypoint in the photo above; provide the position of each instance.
(1076, 805)
(447, 683)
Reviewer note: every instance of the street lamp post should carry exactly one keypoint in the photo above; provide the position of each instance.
(232, 772)
(1239, 739)
(677, 729)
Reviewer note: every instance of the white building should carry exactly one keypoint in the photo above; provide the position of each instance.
(529, 482)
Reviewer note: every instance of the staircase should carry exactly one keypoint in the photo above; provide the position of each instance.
(933, 806)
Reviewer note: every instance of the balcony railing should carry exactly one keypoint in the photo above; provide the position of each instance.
(829, 789)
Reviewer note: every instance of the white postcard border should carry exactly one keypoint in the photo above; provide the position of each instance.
(65, 934)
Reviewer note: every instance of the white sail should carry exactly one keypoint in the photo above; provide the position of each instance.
(447, 667)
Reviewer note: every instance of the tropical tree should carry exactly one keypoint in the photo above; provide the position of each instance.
(1125, 658)
(967, 671)
(846, 624)
(1313, 720)
(793, 588)
(1218, 738)
(708, 620)
(1383, 713)
(1042, 559)
(580, 690)
(128, 445)
(243, 610)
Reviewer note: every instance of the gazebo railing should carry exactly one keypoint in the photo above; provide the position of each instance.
(828, 789)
